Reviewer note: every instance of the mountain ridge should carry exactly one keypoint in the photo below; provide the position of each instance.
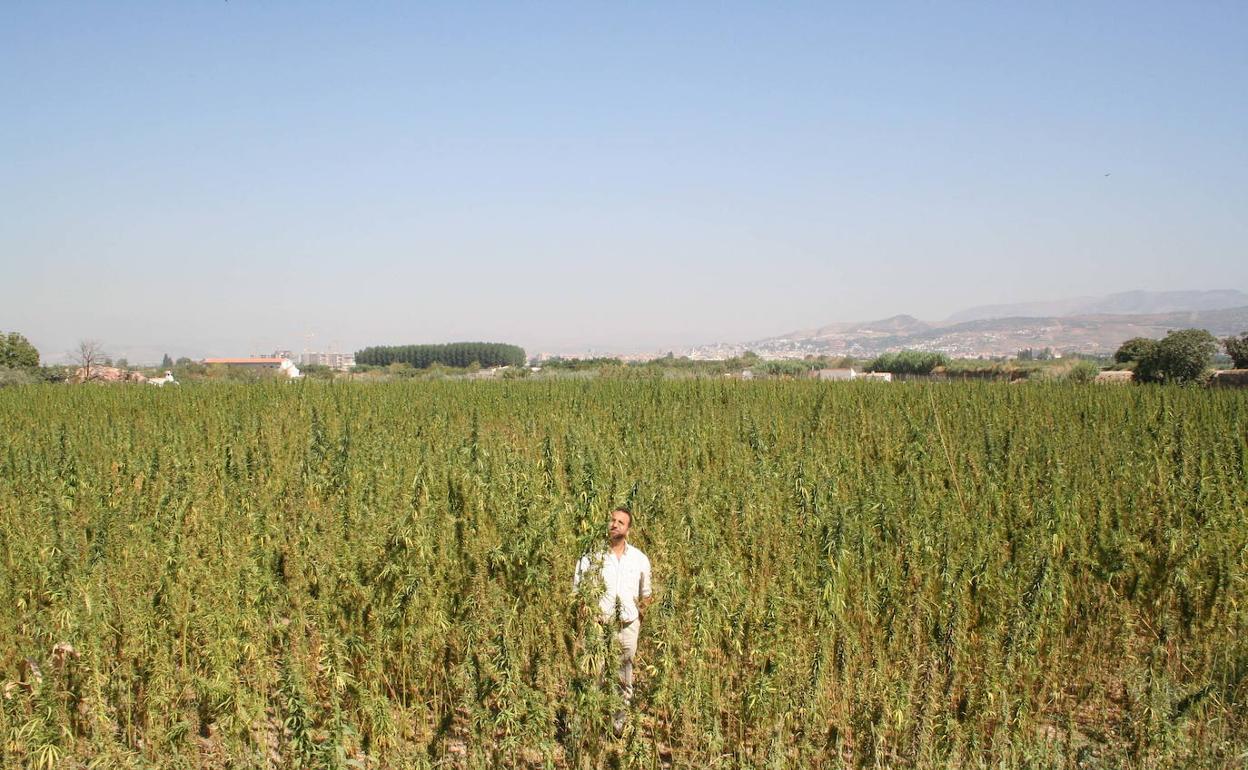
(1136, 302)
(1092, 333)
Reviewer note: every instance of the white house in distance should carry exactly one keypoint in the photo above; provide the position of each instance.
(836, 375)
(258, 364)
(845, 375)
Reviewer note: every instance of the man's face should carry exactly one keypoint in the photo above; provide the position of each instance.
(617, 528)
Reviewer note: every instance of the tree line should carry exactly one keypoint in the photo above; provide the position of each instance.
(908, 362)
(459, 354)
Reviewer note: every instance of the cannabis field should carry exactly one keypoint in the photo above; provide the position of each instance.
(847, 574)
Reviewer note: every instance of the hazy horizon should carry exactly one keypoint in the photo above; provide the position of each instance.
(231, 178)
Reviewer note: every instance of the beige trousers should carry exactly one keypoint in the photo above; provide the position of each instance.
(627, 637)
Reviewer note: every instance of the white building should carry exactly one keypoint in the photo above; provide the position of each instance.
(340, 361)
(845, 375)
(836, 375)
(258, 364)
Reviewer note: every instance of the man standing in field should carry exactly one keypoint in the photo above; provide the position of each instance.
(627, 592)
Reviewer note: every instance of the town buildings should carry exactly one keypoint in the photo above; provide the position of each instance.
(340, 361)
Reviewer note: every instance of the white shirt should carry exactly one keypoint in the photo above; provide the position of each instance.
(625, 579)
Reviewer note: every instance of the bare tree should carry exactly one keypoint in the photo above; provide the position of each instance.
(90, 353)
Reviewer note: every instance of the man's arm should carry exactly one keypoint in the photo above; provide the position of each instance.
(645, 593)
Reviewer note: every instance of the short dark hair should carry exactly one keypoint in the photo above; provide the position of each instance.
(624, 508)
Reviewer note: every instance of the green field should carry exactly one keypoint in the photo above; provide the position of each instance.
(317, 575)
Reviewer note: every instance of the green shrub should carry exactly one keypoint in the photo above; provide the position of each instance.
(10, 376)
(1082, 372)
(1181, 357)
(1237, 349)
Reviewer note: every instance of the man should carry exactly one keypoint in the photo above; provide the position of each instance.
(627, 592)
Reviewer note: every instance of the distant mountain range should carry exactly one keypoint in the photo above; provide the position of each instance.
(1123, 303)
(1085, 325)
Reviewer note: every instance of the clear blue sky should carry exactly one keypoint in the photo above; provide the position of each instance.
(225, 177)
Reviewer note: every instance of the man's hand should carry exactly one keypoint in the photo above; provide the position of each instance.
(642, 605)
